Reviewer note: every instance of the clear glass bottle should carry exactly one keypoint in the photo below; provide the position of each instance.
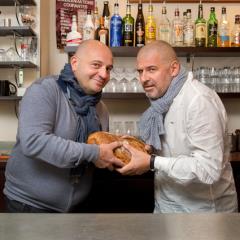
(235, 36)
(140, 27)
(224, 31)
(116, 28)
(212, 28)
(102, 33)
(164, 29)
(150, 28)
(96, 20)
(188, 30)
(200, 29)
(106, 14)
(177, 28)
(74, 38)
(88, 27)
(128, 27)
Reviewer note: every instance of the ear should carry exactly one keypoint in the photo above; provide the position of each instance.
(175, 67)
(74, 63)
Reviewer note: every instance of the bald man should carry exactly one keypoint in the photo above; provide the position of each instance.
(50, 169)
(186, 124)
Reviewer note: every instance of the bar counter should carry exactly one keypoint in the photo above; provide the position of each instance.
(120, 226)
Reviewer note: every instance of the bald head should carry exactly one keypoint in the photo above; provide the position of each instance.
(88, 46)
(160, 48)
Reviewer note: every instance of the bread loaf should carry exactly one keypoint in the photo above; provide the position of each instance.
(122, 153)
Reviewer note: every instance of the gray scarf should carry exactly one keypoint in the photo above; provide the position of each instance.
(151, 124)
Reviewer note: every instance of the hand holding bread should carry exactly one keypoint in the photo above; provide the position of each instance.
(120, 152)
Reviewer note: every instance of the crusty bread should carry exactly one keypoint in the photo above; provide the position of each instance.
(120, 152)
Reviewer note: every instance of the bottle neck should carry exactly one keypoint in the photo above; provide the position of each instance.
(74, 25)
(106, 12)
(200, 12)
(128, 12)
(212, 15)
(116, 9)
(140, 8)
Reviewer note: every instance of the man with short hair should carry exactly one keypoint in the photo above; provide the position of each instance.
(50, 168)
(187, 126)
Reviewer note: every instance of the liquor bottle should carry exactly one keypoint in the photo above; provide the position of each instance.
(200, 28)
(184, 18)
(74, 38)
(116, 28)
(235, 36)
(102, 33)
(188, 30)
(106, 14)
(140, 27)
(88, 27)
(150, 28)
(177, 26)
(96, 20)
(223, 31)
(128, 27)
(164, 29)
(212, 28)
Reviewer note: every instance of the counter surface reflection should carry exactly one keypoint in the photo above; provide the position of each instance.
(120, 226)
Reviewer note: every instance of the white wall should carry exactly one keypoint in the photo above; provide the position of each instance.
(121, 109)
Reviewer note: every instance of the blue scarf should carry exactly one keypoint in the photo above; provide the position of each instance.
(84, 104)
(85, 108)
(151, 125)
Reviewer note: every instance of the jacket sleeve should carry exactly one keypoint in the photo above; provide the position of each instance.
(36, 131)
(205, 128)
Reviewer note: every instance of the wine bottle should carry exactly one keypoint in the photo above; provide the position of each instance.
(200, 29)
(116, 28)
(212, 28)
(128, 27)
(140, 27)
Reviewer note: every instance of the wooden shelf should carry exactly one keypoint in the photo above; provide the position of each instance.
(181, 51)
(10, 98)
(108, 95)
(17, 64)
(20, 31)
(187, 1)
(21, 2)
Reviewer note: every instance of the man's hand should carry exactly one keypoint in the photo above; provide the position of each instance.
(139, 164)
(107, 158)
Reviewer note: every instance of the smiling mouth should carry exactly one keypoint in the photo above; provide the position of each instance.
(147, 88)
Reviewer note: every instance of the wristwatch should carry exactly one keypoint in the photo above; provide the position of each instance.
(152, 160)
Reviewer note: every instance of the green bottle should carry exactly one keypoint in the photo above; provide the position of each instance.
(200, 29)
(212, 28)
(128, 28)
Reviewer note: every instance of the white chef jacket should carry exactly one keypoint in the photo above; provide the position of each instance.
(193, 173)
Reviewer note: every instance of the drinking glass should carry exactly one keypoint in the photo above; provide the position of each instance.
(2, 55)
(129, 128)
(118, 128)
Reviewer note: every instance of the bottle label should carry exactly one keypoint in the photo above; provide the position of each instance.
(200, 30)
(212, 29)
(188, 35)
(128, 28)
(178, 33)
(88, 33)
(103, 38)
(236, 40)
(139, 36)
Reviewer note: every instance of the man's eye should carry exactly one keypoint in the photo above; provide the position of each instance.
(109, 69)
(140, 72)
(96, 65)
(151, 69)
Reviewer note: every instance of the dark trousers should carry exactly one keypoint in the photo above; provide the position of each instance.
(13, 206)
